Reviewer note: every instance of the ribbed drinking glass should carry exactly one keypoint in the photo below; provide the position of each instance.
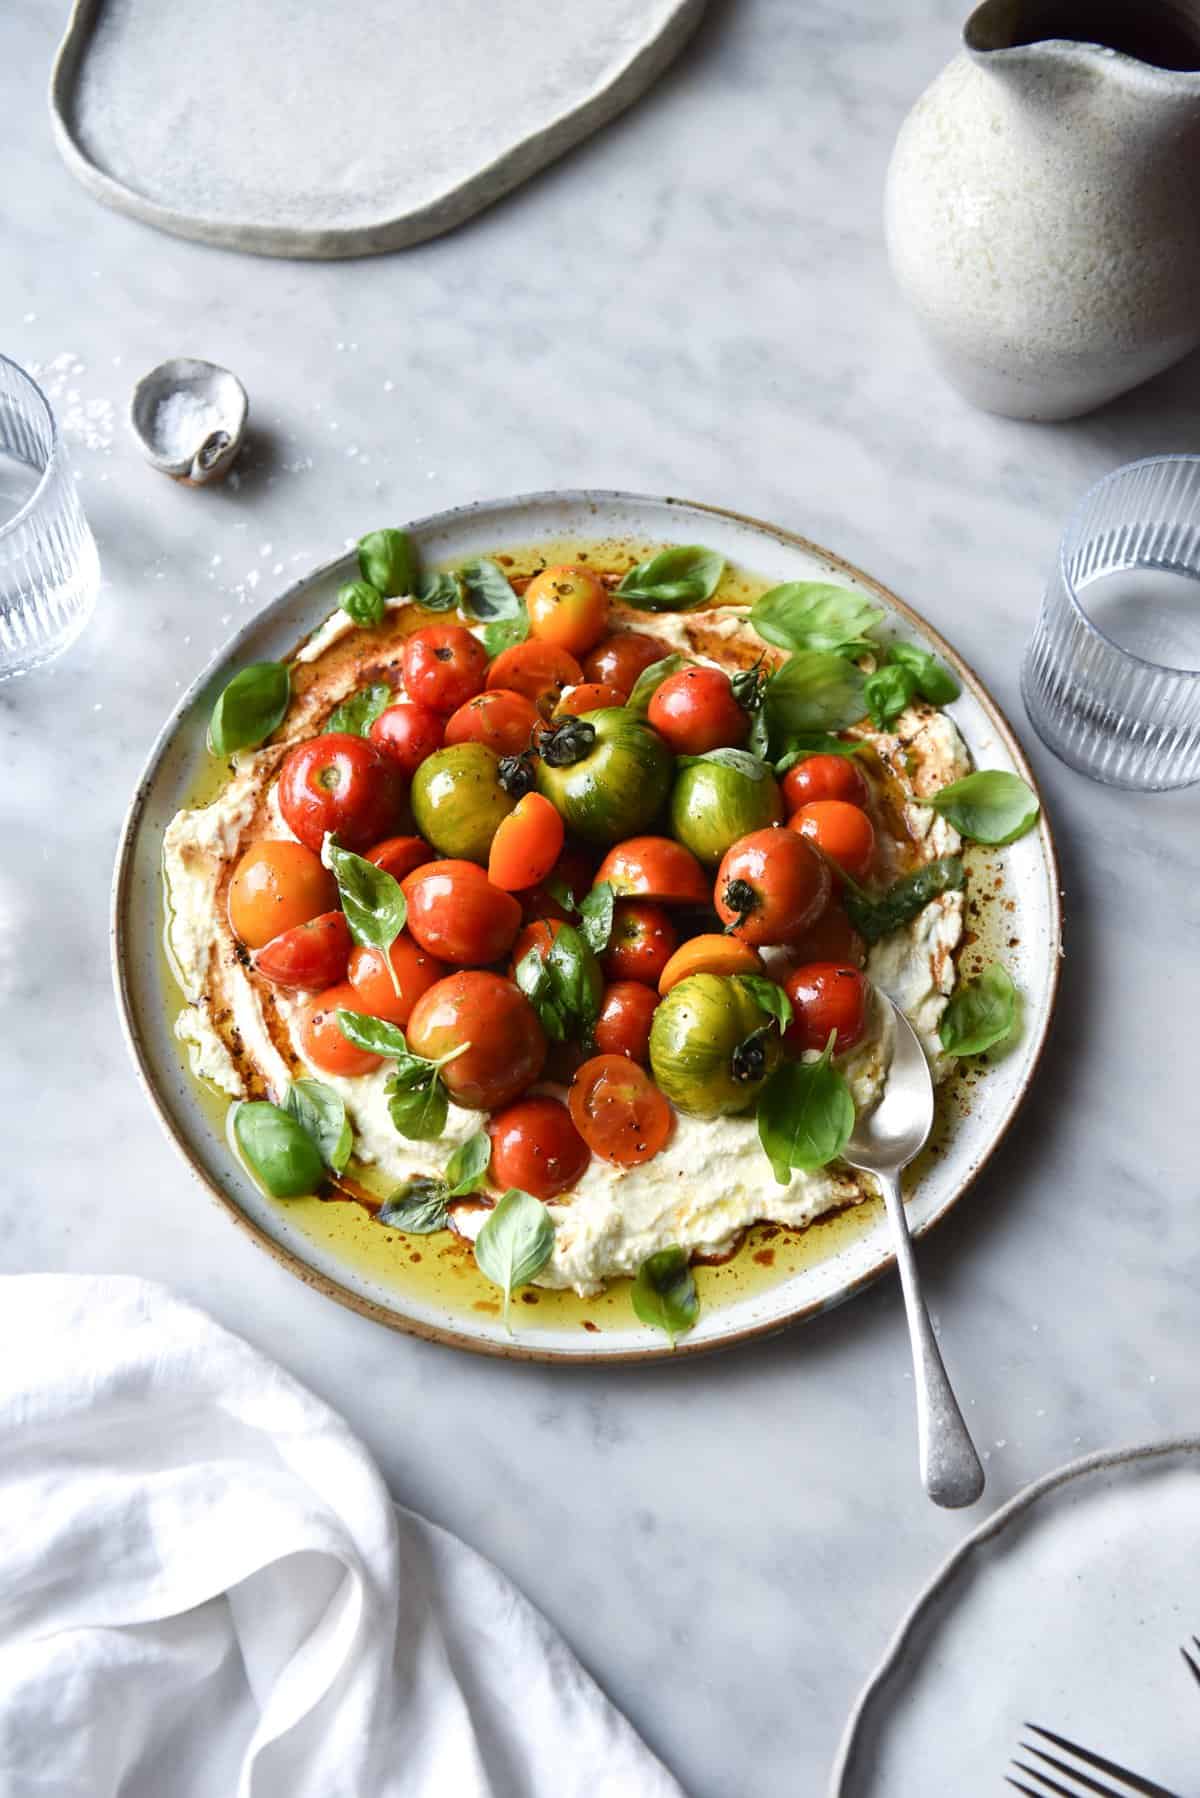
(49, 569)
(1111, 679)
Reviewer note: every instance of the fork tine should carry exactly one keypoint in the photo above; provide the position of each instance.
(1051, 1785)
(1193, 1664)
(1134, 1781)
(1020, 1785)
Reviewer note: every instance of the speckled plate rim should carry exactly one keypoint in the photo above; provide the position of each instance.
(595, 500)
(1014, 1508)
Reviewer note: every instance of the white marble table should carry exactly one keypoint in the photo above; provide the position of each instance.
(696, 302)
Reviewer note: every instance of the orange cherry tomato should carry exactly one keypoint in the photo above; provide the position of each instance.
(567, 606)
(536, 1146)
(539, 935)
(398, 856)
(276, 886)
(572, 873)
(642, 942)
(539, 671)
(308, 956)
(526, 845)
(626, 1014)
(825, 996)
(832, 938)
(619, 659)
(457, 915)
(407, 733)
(695, 711)
(589, 696)
(618, 1111)
(841, 831)
(825, 777)
(655, 868)
(381, 997)
(504, 722)
(321, 1036)
(443, 666)
(709, 953)
(765, 892)
(507, 1047)
(341, 783)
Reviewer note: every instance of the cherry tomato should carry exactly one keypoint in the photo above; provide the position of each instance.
(619, 659)
(455, 913)
(398, 856)
(695, 711)
(539, 935)
(655, 868)
(709, 953)
(536, 1146)
(618, 1111)
(321, 1035)
(589, 696)
(841, 831)
(825, 995)
(572, 873)
(825, 777)
(341, 783)
(381, 997)
(539, 671)
(501, 720)
(642, 942)
(526, 845)
(444, 666)
(274, 887)
(408, 733)
(832, 938)
(309, 956)
(507, 1047)
(567, 606)
(765, 892)
(626, 1013)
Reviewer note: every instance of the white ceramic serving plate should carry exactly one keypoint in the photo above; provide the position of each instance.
(179, 756)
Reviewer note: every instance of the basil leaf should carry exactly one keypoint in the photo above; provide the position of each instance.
(805, 1115)
(812, 691)
(320, 1112)
(438, 592)
(418, 1111)
(250, 708)
(934, 680)
(770, 996)
(875, 918)
(575, 980)
(817, 743)
(279, 1152)
(362, 602)
(388, 560)
(468, 1164)
(487, 594)
(664, 1292)
(375, 907)
(515, 1242)
(418, 1207)
(988, 806)
(596, 916)
(533, 978)
(650, 680)
(357, 714)
(740, 760)
(376, 1036)
(814, 615)
(887, 692)
(981, 1013)
(558, 889)
(505, 633)
(673, 579)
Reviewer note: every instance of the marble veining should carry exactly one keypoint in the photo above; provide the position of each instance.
(697, 301)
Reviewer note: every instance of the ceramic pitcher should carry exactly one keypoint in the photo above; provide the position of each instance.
(1043, 202)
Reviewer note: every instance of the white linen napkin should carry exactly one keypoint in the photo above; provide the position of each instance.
(206, 1590)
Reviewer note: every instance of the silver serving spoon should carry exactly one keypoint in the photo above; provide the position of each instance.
(884, 1142)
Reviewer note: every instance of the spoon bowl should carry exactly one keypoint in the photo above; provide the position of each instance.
(896, 1131)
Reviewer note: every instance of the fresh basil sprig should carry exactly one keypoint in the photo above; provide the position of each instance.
(279, 1151)
(981, 1013)
(596, 916)
(438, 592)
(564, 986)
(358, 713)
(814, 615)
(487, 591)
(664, 1292)
(505, 633)
(673, 580)
(770, 996)
(813, 691)
(887, 692)
(878, 917)
(468, 1165)
(387, 560)
(805, 1114)
(990, 806)
(515, 1243)
(250, 708)
(740, 760)
(418, 1207)
(362, 602)
(651, 679)
(373, 901)
(416, 1093)
(935, 682)
(320, 1112)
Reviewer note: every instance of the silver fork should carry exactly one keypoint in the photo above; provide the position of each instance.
(1191, 1659)
(1082, 1781)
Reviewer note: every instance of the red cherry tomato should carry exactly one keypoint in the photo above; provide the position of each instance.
(572, 873)
(382, 997)
(526, 845)
(309, 956)
(398, 856)
(655, 868)
(536, 1146)
(765, 892)
(825, 996)
(619, 659)
(407, 733)
(539, 671)
(507, 1047)
(589, 696)
(340, 783)
(504, 722)
(321, 1036)
(643, 941)
(456, 914)
(695, 711)
(832, 938)
(841, 831)
(444, 666)
(626, 1013)
(276, 886)
(567, 606)
(618, 1111)
(825, 777)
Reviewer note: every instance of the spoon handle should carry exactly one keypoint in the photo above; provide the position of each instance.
(950, 1468)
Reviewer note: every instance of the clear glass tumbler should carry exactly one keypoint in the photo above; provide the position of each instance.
(49, 569)
(1111, 678)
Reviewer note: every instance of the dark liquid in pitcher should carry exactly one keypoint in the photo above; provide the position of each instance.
(1165, 33)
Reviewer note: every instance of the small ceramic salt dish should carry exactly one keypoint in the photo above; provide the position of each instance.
(189, 418)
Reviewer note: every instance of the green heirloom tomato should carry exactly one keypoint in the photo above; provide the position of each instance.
(458, 802)
(714, 803)
(607, 773)
(278, 1150)
(712, 1046)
